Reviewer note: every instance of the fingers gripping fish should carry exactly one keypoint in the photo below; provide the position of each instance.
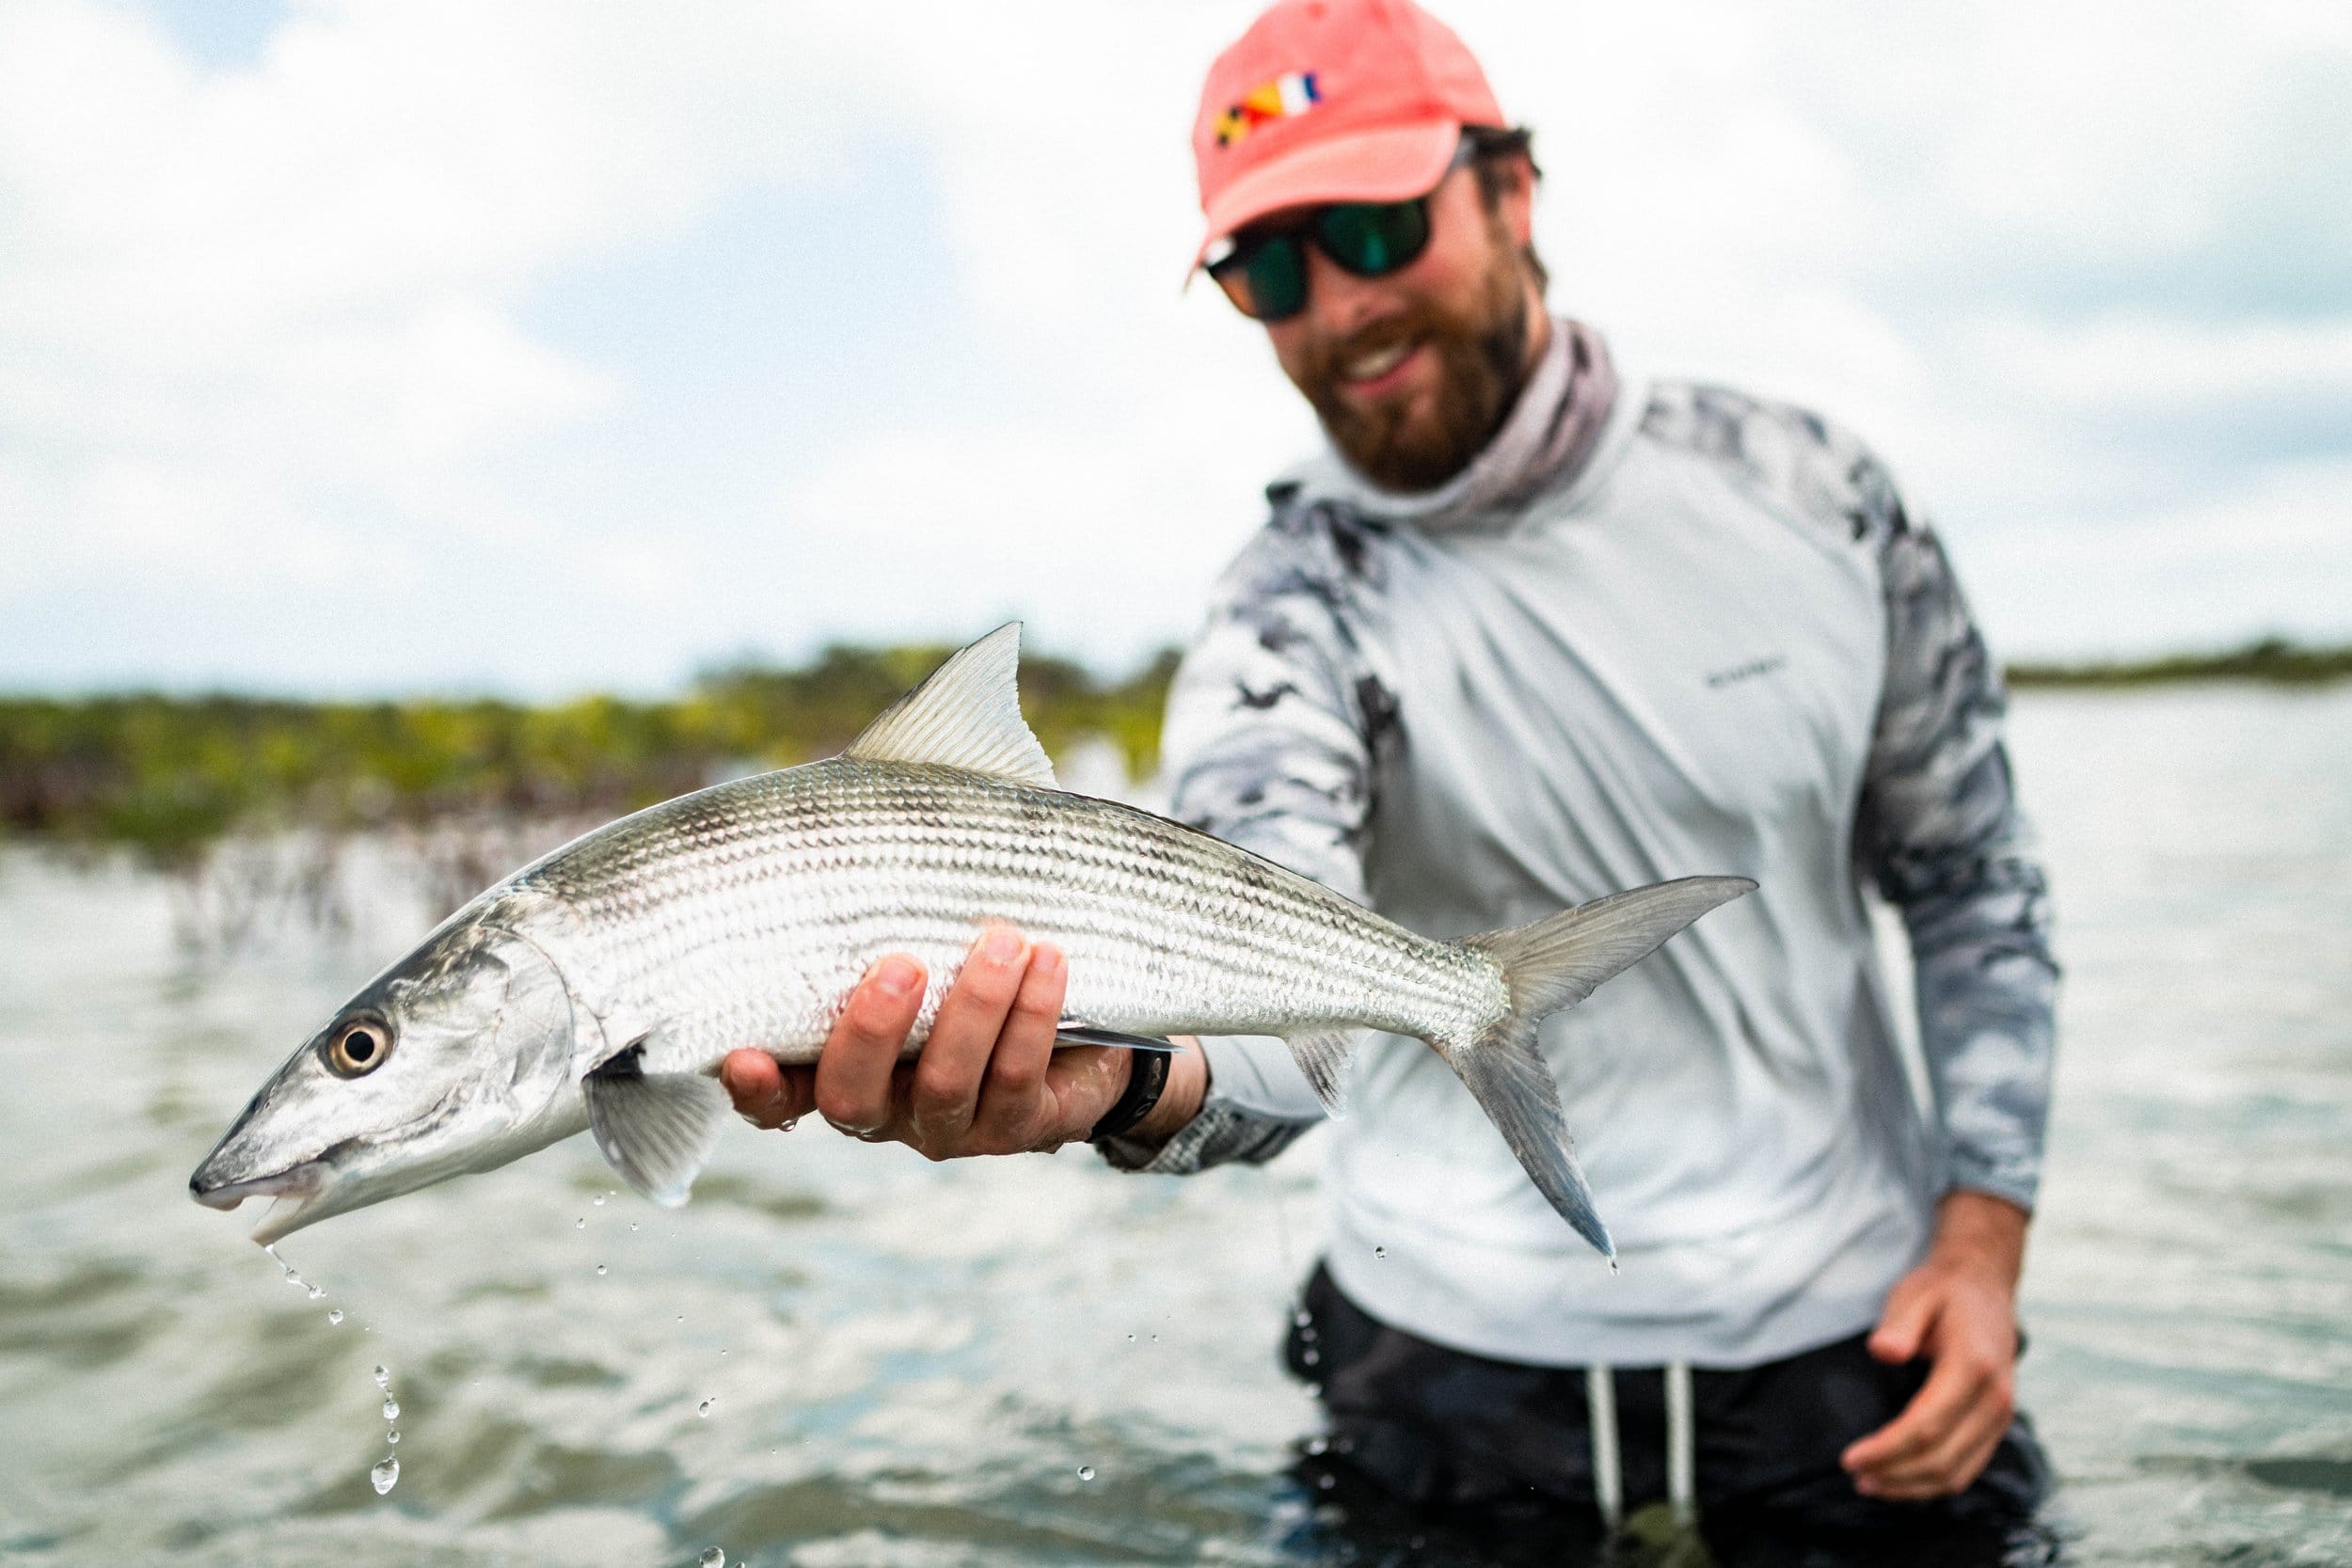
(599, 987)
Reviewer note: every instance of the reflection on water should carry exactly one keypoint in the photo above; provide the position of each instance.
(841, 1355)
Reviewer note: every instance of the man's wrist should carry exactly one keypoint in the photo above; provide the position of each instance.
(1180, 1098)
(1982, 1232)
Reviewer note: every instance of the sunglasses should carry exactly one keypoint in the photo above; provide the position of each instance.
(1265, 273)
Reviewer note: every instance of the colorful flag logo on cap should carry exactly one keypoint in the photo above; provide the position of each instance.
(1293, 93)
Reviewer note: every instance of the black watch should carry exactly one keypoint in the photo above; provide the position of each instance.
(1146, 1078)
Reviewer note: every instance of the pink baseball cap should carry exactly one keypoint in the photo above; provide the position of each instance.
(1334, 100)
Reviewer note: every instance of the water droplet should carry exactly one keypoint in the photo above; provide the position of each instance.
(1311, 1358)
(787, 1124)
(334, 1314)
(1086, 1472)
(1326, 1480)
(597, 1201)
(599, 1267)
(294, 1278)
(1380, 1252)
(1318, 1445)
(704, 1409)
(581, 1224)
(1303, 1317)
(383, 1377)
(317, 1290)
(385, 1476)
(633, 1225)
(714, 1557)
(1131, 1338)
(391, 1410)
(392, 1437)
(1155, 1338)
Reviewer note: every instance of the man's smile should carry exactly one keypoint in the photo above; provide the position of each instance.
(1380, 371)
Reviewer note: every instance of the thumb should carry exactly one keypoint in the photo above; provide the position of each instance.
(1903, 1327)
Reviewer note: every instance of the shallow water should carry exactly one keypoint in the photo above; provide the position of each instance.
(1034, 1361)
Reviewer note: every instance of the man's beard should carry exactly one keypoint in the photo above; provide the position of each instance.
(1482, 364)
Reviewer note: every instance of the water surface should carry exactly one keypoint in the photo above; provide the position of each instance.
(1034, 1361)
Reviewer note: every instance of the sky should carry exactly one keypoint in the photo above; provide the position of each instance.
(540, 348)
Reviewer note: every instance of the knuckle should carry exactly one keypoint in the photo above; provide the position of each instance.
(1019, 1081)
(985, 992)
(845, 1110)
(937, 1088)
(872, 1023)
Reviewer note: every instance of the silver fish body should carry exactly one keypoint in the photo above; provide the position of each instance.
(602, 985)
(742, 915)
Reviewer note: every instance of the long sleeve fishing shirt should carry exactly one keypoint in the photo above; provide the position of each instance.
(1656, 629)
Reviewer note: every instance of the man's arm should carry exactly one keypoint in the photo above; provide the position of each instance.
(1940, 828)
(1268, 738)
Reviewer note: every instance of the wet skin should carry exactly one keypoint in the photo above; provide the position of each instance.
(989, 1082)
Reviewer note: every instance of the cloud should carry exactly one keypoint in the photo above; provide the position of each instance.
(2273, 556)
(641, 337)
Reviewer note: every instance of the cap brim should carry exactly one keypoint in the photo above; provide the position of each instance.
(1387, 164)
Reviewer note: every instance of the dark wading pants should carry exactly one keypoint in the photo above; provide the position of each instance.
(1423, 1432)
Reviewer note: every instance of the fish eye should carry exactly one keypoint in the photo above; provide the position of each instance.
(359, 1047)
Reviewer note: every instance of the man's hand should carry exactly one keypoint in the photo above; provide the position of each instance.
(989, 1080)
(1958, 1310)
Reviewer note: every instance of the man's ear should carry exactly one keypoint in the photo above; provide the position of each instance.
(1515, 198)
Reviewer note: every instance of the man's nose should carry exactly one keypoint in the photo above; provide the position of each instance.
(1338, 302)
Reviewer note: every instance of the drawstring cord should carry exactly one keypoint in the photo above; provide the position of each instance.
(1681, 1445)
(1600, 1398)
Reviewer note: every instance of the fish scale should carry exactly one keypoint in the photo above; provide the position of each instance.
(602, 985)
(747, 909)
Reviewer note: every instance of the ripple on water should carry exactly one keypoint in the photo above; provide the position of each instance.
(2203, 1095)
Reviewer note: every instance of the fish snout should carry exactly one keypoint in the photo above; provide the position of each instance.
(227, 1179)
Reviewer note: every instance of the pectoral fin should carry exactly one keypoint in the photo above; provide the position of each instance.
(1322, 1057)
(657, 1129)
(1071, 1032)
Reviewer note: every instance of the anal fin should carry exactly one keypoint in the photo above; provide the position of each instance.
(657, 1129)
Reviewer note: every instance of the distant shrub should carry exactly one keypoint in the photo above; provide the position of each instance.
(170, 775)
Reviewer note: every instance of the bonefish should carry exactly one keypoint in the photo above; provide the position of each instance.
(599, 987)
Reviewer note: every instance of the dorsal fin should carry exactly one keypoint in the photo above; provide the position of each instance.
(966, 714)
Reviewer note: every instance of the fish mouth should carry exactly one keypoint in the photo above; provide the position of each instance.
(295, 1192)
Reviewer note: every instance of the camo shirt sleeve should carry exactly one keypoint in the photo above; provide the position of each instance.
(1939, 828)
(1938, 825)
(1268, 740)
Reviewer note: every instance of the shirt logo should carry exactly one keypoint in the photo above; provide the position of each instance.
(1749, 671)
(1285, 95)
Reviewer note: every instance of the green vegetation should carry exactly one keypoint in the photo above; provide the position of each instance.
(169, 776)
(2272, 659)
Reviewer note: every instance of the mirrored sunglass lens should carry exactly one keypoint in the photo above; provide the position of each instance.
(1274, 275)
(1370, 239)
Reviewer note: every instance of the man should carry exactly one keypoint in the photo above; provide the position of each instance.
(1533, 630)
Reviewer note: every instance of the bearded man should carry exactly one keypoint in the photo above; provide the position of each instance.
(1535, 629)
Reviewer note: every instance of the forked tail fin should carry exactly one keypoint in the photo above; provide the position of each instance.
(1556, 963)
